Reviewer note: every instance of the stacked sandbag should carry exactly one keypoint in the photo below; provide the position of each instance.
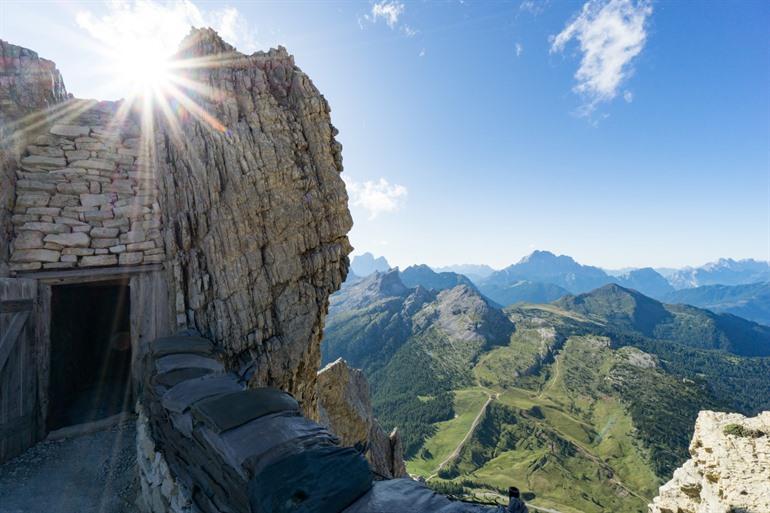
(239, 450)
(408, 496)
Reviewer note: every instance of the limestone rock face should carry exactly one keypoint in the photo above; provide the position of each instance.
(28, 85)
(344, 403)
(255, 211)
(729, 468)
(345, 407)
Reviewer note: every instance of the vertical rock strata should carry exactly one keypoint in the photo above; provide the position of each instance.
(29, 86)
(255, 211)
(345, 407)
(729, 468)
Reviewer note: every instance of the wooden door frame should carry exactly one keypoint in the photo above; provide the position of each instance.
(149, 317)
(18, 416)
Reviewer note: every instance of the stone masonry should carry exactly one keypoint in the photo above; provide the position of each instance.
(30, 88)
(85, 197)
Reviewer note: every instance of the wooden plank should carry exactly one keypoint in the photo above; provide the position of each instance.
(16, 305)
(42, 355)
(18, 394)
(15, 425)
(90, 275)
(11, 337)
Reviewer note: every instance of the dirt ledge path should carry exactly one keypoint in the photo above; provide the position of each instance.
(91, 473)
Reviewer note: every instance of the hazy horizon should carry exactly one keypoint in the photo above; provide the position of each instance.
(516, 259)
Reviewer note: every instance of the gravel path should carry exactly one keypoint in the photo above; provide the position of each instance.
(90, 473)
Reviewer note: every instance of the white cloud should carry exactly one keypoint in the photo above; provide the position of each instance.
(422, 53)
(628, 96)
(376, 197)
(389, 10)
(519, 49)
(610, 33)
(533, 6)
(409, 31)
(162, 24)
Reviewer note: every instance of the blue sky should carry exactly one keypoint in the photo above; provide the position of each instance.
(622, 133)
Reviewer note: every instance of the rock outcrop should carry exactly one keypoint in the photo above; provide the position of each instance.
(729, 468)
(255, 211)
(29, 88)
(345, 407)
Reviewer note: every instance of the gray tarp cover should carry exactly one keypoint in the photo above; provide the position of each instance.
(171, 378)
(262, 436)
(408, 496)
(319, 480)
(228, 411)
(187, 361)
(181, 344)
(187, 393)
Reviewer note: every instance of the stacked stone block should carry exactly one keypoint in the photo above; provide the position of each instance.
(86, 196)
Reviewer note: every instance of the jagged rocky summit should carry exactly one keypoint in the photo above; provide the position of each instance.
(729, 468)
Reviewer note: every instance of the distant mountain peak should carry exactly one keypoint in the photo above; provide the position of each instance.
(542, 255)
(366, 264)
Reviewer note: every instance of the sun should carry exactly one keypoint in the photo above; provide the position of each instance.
(143, 68)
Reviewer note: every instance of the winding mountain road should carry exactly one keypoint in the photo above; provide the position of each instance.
(459, 447)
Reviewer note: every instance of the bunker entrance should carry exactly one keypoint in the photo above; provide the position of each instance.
(90, 367)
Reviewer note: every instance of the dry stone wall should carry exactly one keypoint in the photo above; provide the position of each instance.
(29, 87)
(85, 197)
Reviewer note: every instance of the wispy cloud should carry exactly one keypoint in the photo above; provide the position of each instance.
(142, 20)
(388, 10)
(376, 197)
(611, 33)
(519, 49)
(533, 6)
(391, 12)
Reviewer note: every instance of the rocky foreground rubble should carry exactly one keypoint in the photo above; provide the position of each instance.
(729, 468)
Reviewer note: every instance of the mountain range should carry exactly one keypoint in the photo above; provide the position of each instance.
(730, 286)
(750, 301)
(587, 401)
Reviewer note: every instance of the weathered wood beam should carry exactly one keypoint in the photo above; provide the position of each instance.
(15, 425)
(9, 338)
(16, 305)
(91, 274)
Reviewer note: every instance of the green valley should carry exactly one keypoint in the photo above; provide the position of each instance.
(587, 404)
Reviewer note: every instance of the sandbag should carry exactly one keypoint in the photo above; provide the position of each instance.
(171, 378)
(259, 437)
(320, 480)
(181, 344)
(228, 411)
(408, 496)
(187, 393)
(187, 361)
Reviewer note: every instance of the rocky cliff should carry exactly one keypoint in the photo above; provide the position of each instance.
(255, 211)
(29, 88)
(729, 468)
(346, 408)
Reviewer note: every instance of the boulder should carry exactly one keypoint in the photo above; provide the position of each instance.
(345, 407)
(729, 468)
